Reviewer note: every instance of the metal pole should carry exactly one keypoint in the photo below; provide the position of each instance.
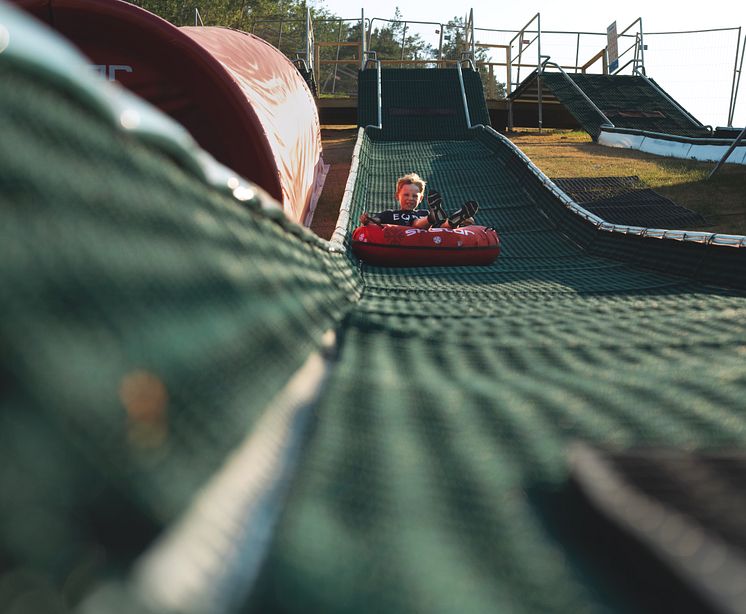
(440, 45)
(508, 71)
(577, 53)
(463, 95)
(403, 40)
(538, 73)
(370, 32)
(642, 47)
(309, 38)
(740, 72)
(473, 48)
(735, 144)
(520, 56)
(339, 40)
(731, 108)
(364, 47)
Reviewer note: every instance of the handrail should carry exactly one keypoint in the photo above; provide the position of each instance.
(310, 40)
(364, 47)
(521, 49)
(463, 90)
(639, 42)
(469, 34)
(374, 58)
(577, 87)
(635, 60)
(601, 55)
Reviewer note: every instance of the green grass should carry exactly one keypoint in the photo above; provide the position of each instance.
(721, 200)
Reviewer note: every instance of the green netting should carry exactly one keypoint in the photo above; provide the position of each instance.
(421, 103)
(626, 200)
(148, 321)
(627, 101)
(435, 478)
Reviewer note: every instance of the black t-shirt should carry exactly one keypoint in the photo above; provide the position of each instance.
(400, 217)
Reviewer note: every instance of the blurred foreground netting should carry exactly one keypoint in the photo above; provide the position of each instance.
(677, 520)
(147, 321)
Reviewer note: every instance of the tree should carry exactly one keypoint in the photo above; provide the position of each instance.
(391, 42)
(454, 44)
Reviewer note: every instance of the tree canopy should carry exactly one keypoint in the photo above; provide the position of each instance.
(283, 24)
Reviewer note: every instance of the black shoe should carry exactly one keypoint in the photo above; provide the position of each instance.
(437, 215)
(459, 217)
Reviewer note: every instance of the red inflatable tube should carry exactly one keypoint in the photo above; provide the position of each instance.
(402, 246)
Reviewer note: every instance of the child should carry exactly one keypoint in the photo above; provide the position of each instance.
(409, 192)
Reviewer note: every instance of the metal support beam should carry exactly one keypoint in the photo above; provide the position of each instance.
(732, 148)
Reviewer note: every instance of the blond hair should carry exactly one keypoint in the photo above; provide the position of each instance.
(408, 179)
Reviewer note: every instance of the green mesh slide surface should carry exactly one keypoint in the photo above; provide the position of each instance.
(421, 103)
(149, 320)
(434, 480)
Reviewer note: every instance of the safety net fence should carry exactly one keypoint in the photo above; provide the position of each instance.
(152, 324)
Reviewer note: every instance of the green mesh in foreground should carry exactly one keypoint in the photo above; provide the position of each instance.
(435, 480)
(146, 323)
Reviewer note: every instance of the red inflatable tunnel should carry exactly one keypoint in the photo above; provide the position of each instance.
(241, 99)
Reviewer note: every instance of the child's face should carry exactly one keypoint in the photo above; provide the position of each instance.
(409, 196)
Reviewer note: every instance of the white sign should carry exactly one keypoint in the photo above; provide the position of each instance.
(612, 50)
(109, 71)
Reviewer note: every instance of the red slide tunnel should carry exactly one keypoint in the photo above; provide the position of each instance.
(240, 98)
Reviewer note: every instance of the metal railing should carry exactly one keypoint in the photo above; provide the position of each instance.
(546, 63)
(465, 58)
(523, 45)
(638, 47)
(371, 57)
(335, 70)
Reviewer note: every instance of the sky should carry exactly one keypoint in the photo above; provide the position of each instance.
(697, 70)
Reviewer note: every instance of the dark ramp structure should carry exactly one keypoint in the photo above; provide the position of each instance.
(242, 100)
(205, 408)
(624, 101)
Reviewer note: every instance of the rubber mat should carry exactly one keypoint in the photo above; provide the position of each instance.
(626, 200)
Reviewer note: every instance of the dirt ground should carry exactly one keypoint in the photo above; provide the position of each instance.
(338, 143)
